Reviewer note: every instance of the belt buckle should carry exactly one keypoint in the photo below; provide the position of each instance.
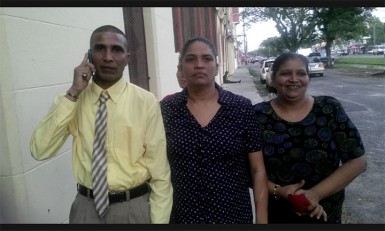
(120, 196)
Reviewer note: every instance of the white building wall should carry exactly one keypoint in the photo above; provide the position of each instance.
(40, 48)
(162, 59)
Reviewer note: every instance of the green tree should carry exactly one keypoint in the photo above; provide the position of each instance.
(293, 24)
(272, 46)
(376, 32)
(252, 53)
(341, 24)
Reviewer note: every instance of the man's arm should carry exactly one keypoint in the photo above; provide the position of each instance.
(158, 166)
(52, 131)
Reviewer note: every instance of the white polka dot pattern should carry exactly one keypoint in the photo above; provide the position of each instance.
(209, 166)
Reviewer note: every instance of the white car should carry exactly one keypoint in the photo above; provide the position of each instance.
(378, 50)
(264, 68)
(269, 81)
(316, 67)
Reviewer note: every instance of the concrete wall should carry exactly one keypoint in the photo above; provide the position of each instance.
(39, 49)
(161, 56)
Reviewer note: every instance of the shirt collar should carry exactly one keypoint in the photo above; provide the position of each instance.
(115, 91)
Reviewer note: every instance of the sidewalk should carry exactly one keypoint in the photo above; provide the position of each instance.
(246, 87)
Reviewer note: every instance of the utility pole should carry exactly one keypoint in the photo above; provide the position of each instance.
(374, 34)
(244, 38)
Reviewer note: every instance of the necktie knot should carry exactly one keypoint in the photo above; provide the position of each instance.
(104, 97)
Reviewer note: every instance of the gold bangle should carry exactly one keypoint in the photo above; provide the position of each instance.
(275, 191)
(71, 95)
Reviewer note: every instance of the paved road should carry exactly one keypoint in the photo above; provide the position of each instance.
(363, 97)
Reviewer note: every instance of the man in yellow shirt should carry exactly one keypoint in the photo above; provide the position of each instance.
(138, 172)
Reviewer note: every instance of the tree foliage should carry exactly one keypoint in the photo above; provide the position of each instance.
(344, 24)
(272, 47)
(306, 26)
(293, 24)
(376, 32)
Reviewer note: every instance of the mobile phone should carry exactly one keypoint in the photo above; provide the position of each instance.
(90, 56)
(90, 59)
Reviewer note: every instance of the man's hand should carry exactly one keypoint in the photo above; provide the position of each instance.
(82, 75)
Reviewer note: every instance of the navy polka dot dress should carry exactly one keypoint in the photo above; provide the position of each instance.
(209, 165)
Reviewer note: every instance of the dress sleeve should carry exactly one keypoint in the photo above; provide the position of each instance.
(253, 130)
(347, 137)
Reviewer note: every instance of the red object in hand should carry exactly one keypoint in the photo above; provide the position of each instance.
(299, 202)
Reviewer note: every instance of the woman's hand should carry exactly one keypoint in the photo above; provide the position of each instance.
(284, 191)
(314, 209)
(318, 212)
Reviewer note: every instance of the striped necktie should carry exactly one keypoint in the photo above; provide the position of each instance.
(99, 160)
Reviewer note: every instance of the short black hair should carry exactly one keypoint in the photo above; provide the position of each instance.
(109, 28)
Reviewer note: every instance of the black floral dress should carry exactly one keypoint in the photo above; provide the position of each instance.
(311, 149)
(209, 165)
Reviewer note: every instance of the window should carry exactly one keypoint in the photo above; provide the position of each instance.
(192, 22)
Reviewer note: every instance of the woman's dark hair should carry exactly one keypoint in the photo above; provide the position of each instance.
(281, 59)
(191, 41)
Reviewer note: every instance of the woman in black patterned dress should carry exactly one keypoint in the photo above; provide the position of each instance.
(311, 147)
(211, 134)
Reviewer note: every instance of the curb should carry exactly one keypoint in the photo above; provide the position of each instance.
(246, 87)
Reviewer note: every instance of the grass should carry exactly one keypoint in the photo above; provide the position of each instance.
(363, 61)
(252, 72)
(360, 62)
(355, 66)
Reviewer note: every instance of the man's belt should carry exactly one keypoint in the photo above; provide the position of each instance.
(115, 197)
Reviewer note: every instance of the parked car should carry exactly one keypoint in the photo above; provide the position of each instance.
(261, 59)
(315, 54)
(316, 66)
(266, 64)
(269, 81)
(324, 60)
(377, 50)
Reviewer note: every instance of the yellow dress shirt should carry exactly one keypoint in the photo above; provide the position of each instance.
(135, 142)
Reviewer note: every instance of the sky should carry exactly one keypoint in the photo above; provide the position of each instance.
(263, 30)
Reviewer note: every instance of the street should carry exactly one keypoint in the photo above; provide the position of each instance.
(363, 98)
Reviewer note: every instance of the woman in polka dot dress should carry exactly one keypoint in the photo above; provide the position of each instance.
(213, 146)
(311, 148)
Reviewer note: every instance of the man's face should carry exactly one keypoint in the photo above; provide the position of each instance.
(110, 57)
